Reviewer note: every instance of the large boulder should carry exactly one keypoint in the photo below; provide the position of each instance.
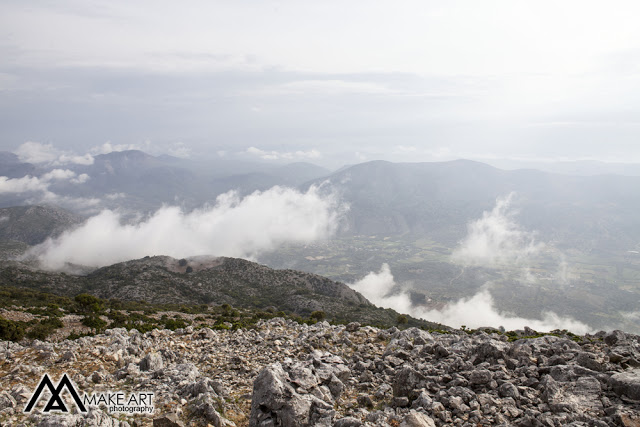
(151, 362)
(275, 401)
(627, 384)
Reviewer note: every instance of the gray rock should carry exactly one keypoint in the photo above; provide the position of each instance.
(352, 327)
(626, 384)
(417, 419)
(480, 377)
(303, 377)
(422, 401)
(275, 402)
(583, 395)
(206, 333)
(60, 421)
(168, 420)
(7, 401)
(336, 387)
(68, 356)
(97, 377)
(509, 390)
(364, 401)
(588, 360)
(347, 422)
(401, 401)
(491, 350)
(615, 337)
(151, 362)
(406, 380)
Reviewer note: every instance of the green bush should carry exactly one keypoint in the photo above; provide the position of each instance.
(10, 330)
(89, 304)
(318, 315)
(174, 324)
(94, 322)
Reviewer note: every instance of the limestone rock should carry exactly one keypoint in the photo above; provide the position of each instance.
(627, 384)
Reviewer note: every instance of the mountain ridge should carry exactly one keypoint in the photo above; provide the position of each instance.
(219, 280)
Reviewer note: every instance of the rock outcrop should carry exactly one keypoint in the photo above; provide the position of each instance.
(282, 373)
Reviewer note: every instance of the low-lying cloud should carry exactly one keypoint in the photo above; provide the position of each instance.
(234, 226)
(36, 152)
(22, 185)
(496, 238)
(109, 147)
(284, 155)
(474, 312)
(30, 183)
(377, 288)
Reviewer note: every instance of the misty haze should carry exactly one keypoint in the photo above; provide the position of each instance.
(464, 171)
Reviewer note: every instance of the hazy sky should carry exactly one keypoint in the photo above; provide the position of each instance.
(318, 80)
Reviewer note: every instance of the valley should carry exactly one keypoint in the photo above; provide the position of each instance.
(600, 290)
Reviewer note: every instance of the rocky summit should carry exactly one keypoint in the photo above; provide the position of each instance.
(281, 373)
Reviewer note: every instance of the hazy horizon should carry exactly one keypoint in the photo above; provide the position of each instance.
(326, 82)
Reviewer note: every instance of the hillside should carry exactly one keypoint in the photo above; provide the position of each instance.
(34, 224)
(240, 283)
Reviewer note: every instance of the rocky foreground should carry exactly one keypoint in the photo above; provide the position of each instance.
(286, 374)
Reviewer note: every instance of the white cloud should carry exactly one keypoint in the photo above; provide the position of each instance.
(108, 147)
(633, 316)
(86, 159)
(232, 227)
(284, 155)
(376, 287)
(496, 239)
(39, 187)
(176, 149)
(22, 185)
(58, 175)
(32, 183)
(80, 179)
(36, 152)
(179, 149)
(474, 312)
(480, 310)
(78, 204)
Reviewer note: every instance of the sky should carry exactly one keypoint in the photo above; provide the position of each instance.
(330, 82)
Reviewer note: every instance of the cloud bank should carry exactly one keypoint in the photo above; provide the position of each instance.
(376, 287)
(232, 227)
(496, 239)
(30, 183)
(474, 312)
(35, 152)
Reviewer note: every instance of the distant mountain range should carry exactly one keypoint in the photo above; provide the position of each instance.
(436, 199)
(137, 181)
(439, 199)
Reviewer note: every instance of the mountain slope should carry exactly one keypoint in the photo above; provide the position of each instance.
(34, 224)
(237, 282)
(12, 167)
